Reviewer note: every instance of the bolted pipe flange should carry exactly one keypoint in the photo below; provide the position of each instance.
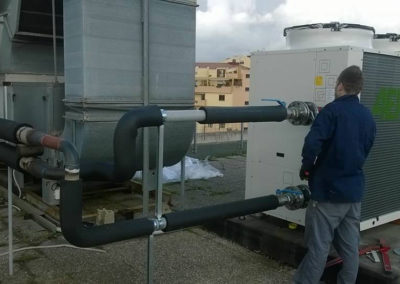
(294, 197)
(159, 224)
(302, 113)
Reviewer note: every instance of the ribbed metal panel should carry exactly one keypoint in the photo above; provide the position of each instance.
(381, 94)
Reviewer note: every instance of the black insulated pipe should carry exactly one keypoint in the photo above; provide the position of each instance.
(125, 134)
(29, 151)
(244, 114)
(81, 235)
(9, 129)
(41, 169)
(9, 156)
(194, 217)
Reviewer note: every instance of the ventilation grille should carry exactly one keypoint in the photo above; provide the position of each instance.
(36, 22)
(381, 94)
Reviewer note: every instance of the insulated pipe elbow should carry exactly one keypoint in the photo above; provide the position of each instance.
(125, 134)
(81, 235)
(125, 138)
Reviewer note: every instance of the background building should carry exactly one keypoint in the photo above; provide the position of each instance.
(222, 84)
(243, 60)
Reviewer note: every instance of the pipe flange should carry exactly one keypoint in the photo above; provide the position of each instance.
(71, 174)
(294, 197)
(302, 113)
(164, 114)
(24, 162)
(22, 134)
(159, 224)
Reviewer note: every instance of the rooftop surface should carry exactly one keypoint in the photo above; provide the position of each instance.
(193, 255)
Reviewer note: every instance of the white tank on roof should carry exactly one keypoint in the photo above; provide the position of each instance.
(387, 42)
(328, 34)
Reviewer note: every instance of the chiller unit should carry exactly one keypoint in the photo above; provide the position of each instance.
(307, 71)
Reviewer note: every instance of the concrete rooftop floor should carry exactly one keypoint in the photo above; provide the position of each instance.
(193, 255)
(188, 256)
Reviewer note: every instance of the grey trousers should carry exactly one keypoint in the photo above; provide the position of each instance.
(330, 223)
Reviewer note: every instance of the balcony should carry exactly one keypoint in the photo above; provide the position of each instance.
(213, 89)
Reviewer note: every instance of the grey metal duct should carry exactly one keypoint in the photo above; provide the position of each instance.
(103, 47)
(103, 43)
(4, 4)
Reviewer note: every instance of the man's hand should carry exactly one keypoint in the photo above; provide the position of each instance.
(304, 173)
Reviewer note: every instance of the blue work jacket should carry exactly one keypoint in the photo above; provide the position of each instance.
(335, 150)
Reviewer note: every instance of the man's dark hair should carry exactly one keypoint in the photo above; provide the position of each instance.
(352, 79)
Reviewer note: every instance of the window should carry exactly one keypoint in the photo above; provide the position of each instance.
(35, 20)
(246, 103)
(221, 98)
(235, 72)
(209, 125)
(203, 97)
(241, 62)
(237, 82)
(221, 125)
(220, 73)
(247, 75)
(247, 89)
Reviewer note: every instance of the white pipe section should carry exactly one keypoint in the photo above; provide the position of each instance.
(184, 115)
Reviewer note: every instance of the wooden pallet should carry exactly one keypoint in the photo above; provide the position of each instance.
(121, 200)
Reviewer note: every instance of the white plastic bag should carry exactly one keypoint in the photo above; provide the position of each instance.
(194, 169)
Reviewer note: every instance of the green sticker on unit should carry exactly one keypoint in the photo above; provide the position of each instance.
(387, 104)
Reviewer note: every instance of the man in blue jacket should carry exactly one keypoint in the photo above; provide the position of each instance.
(334, 153)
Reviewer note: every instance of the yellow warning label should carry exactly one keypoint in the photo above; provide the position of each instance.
(319, 80)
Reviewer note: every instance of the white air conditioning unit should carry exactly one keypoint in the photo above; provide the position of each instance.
(274, 149)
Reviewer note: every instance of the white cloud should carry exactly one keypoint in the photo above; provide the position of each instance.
(228, 27)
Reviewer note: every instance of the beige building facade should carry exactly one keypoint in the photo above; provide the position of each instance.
(243, 60)
(221, 84)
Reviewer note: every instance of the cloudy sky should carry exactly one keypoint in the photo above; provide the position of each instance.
(230, 27)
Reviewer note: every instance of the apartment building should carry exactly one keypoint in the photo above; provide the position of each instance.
(243, 60)
(222, 84)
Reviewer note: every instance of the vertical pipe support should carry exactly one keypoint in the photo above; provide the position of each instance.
(195, 140)
(183, 175)
(10, 223)
(53, 11)
(241, 136)
(146, 138)
(160, 163)
(145, 46)
(5, 102)
(150, 260)
(9, 199)
(145, 85)
(145, 173)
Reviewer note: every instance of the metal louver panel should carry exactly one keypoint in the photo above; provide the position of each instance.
(381, 94)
